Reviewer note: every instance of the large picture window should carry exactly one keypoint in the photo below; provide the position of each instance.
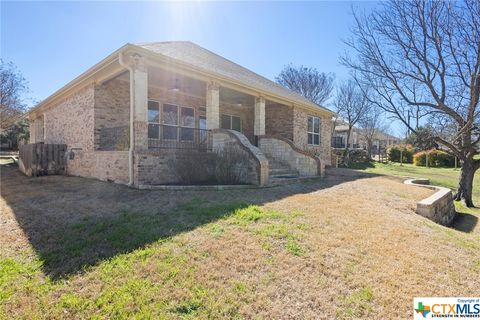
(231, 122)
(153, 120)
(313, 130)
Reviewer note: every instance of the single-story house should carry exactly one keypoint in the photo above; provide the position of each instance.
(381, 140)
(136, 114)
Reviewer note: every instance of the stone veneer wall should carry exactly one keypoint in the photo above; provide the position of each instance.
(279, 121)
(300, 123)
(306, 165)
(438, 207)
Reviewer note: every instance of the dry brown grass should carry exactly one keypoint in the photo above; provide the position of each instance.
(349, 246)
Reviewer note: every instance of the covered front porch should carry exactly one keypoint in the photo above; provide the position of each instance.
(175, 114)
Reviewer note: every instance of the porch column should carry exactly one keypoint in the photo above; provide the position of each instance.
(139, 92)
(213, 106)
(259, 121)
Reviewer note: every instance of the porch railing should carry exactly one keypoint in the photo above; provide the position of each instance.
(173, 137)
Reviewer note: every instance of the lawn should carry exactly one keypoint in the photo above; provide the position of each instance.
(348, 246)
(446, 177)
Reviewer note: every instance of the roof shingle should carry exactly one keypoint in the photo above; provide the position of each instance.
(192, 54)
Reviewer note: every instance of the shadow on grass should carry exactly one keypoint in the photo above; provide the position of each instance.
(97, 238)
(465, 222)
(73, 223)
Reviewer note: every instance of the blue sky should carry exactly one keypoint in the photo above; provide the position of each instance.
(53, 42)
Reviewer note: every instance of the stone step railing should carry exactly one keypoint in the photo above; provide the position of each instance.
(258, 171)
(285, 150)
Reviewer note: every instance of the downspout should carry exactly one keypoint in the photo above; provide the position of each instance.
(132, 141)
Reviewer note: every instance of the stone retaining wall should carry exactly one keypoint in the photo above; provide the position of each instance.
(438, 207)
(282, 149)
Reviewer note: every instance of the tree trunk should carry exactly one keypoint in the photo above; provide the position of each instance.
(369, 150)
(347, 154)
(465, 185)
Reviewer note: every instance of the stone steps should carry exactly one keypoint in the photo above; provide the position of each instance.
(280, 170)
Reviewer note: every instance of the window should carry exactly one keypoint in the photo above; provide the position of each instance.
(187, 122)
(313, 130)
(153, 120)
(170, 121)
(202, 122)
(231, 122)
(337, 142)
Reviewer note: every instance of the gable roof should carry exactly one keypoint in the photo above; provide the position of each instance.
(192, 54)
(188, 54)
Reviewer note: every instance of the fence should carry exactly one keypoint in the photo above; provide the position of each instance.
(42, 159)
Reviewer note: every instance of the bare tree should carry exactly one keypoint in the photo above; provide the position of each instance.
(13, 86)
(425, 55)
(371, 125)
(308, 82)
(351, 104)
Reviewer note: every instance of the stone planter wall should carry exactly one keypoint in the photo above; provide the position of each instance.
(439, 206)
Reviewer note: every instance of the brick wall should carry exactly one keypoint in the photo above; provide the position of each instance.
(71, 121)
(112, 115)
(279, 120)
(300, 124)
(160, 167)
(36, 130)
(111, 166)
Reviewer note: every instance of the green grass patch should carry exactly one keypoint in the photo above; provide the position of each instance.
(358, 304)
(294, 247)
(252, 214)
(140, 264)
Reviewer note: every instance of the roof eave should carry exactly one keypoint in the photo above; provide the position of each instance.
(79, 80)
(220, 77)
(86, 76)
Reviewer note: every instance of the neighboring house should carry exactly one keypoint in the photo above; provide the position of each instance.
(380, 141)
(130, 117)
